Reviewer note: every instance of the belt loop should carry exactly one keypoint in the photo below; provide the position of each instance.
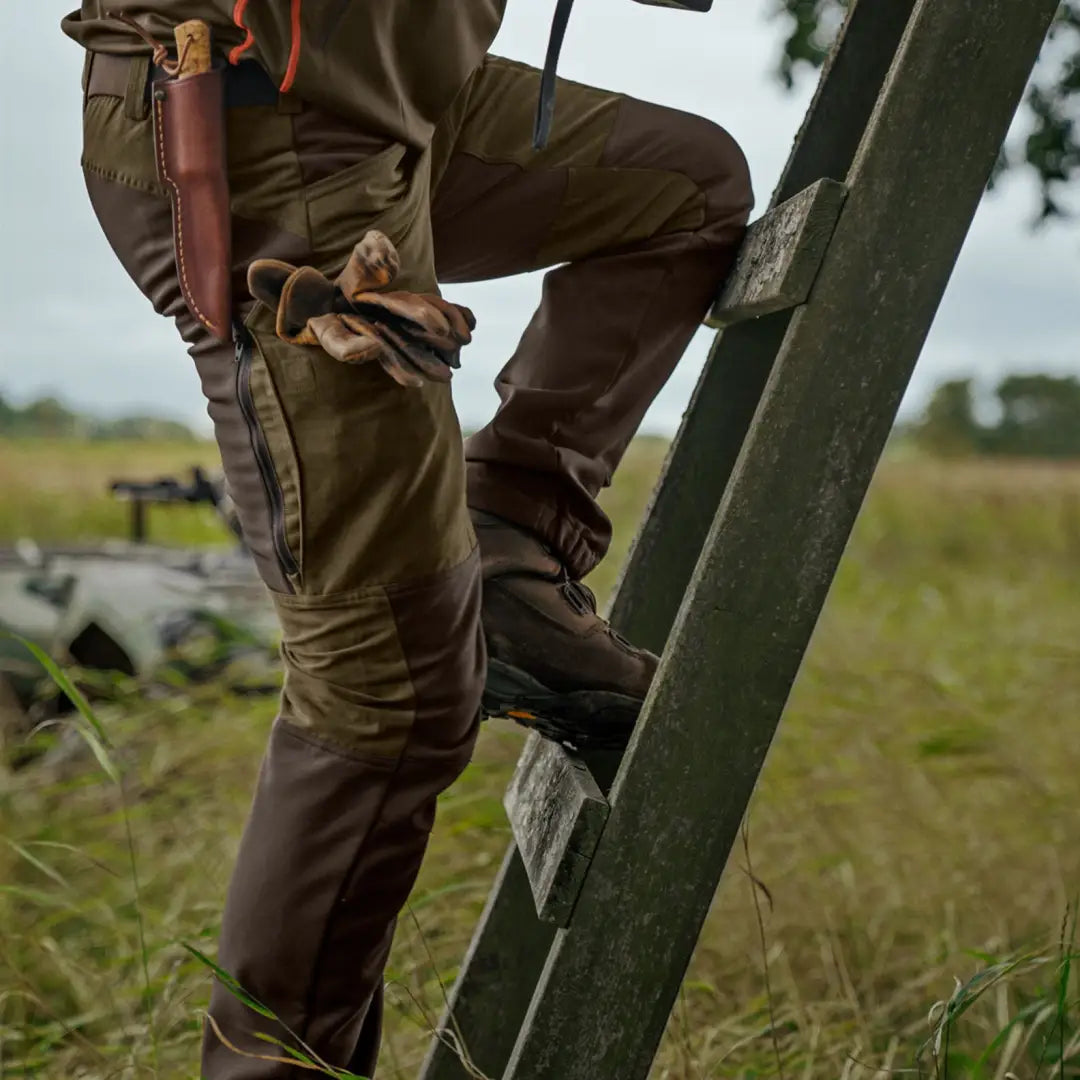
(136, 100)
(289, 104)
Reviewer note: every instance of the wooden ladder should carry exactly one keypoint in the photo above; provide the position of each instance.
(598, 906)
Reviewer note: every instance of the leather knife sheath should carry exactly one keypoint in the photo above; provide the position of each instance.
(189, 139)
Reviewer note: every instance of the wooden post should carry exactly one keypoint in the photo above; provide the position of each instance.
(138, 520)
(608, 985)
(497, 978)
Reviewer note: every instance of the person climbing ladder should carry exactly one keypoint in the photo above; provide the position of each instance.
(407, 569)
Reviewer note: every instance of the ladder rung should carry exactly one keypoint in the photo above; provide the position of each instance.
(557, 814)
(781, 255)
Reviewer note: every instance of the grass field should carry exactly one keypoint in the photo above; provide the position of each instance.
(918, 821)
(58, 492)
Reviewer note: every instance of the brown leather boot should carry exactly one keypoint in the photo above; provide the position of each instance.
(554, 665)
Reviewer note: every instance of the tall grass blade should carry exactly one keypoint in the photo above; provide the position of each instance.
(38, 864)
(231, 984)
(92, 732)
(304, 1055)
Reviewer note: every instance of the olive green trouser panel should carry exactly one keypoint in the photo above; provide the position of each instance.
(365, 479)
(381, 669)
(372, 476)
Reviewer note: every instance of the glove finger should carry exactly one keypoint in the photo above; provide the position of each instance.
(444, 346)
(409, 306)
(306, 294)
(345, 343)
(397, 371)
(406, 356)
(424, 360)
(364, 344)
(442, 342)
(428, 310)
(447, 346)
(390, 351)
(373, 264)
(461, 319)
(266, 279)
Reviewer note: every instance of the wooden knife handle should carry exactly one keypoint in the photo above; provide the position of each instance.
(193, 46)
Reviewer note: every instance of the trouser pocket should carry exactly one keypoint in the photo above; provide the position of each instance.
(264, 458)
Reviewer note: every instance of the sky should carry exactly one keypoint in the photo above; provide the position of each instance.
(72, 324)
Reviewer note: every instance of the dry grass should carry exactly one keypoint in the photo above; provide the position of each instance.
(918, 821)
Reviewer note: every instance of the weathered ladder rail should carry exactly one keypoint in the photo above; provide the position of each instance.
(814, 396)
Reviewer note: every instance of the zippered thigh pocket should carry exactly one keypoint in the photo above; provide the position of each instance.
(278, 468)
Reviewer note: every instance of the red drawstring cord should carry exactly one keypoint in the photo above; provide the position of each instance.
(249, 40)
(161, 53)
(294, 49)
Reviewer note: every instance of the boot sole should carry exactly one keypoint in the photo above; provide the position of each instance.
(580, 720)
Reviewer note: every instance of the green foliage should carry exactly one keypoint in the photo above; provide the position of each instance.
(948, 425)
(1051, 147)
(1039, 417)
(1042, 1030)
(809, 35)
(49, 418)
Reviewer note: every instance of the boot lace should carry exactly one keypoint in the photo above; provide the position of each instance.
(583, 601)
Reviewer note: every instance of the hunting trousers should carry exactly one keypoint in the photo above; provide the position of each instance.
(353, 491)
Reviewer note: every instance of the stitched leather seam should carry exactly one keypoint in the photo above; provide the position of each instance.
(179, 203)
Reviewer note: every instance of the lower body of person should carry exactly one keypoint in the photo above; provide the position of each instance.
(399, 559)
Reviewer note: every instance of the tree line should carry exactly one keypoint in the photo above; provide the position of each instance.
(1027, 416)
(49, 418)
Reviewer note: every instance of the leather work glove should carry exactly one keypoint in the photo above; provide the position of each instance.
(415, 337)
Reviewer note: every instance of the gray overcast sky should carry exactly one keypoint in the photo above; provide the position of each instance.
(71, 323)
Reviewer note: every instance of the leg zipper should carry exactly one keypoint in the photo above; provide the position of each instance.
(262, 452)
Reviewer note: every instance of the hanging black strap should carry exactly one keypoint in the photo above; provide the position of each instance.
(545, 111)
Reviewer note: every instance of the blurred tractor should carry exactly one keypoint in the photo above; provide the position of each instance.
(135, 609)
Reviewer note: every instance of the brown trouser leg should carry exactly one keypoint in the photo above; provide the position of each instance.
(646, 206)
(351, 490)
